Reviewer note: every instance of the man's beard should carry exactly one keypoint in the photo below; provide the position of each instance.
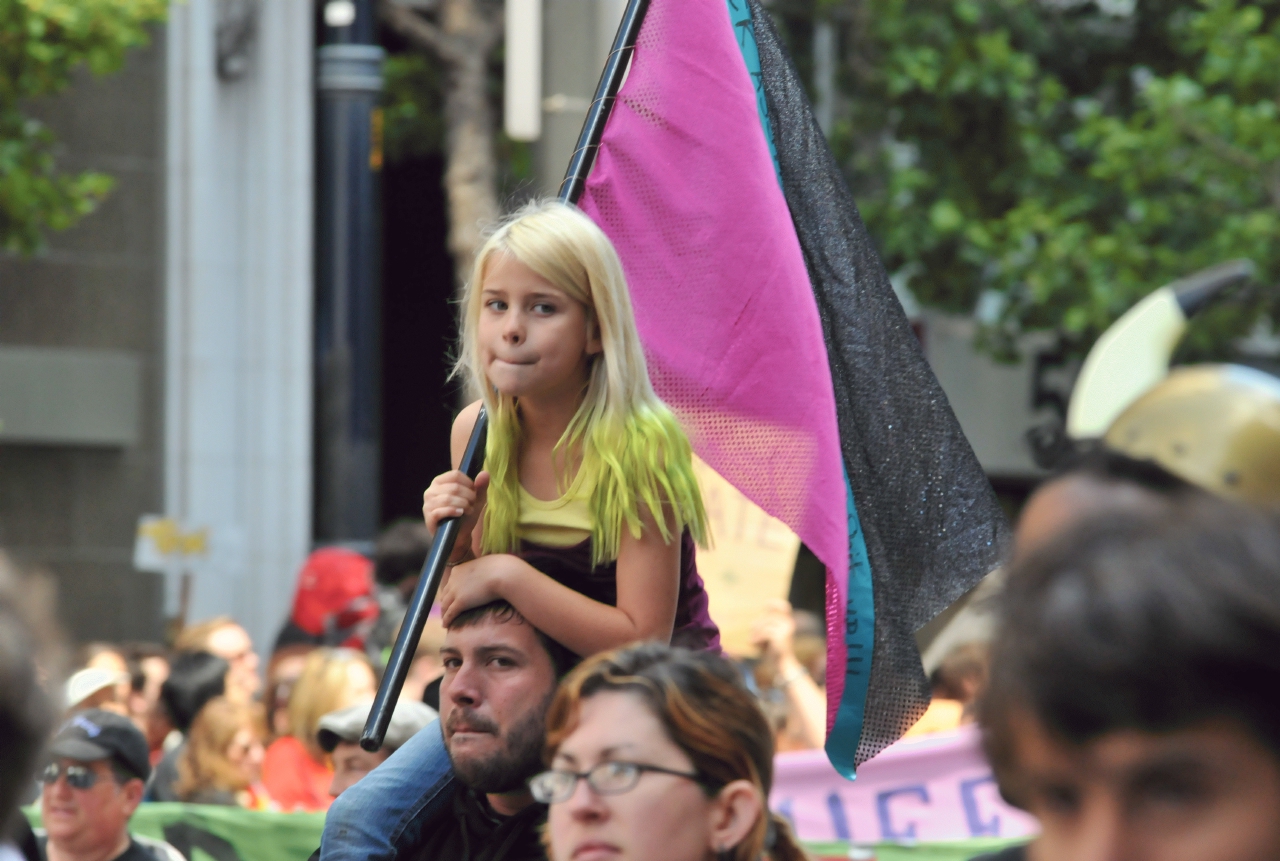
(519, 759)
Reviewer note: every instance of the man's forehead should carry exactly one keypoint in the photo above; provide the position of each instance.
(491, 632)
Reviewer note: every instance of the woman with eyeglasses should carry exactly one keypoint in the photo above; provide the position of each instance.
(659, 753)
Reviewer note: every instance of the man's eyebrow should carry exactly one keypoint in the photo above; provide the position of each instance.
(490, 651)
(1163, 766)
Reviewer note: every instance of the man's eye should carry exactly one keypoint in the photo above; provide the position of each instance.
(452, 663)
(502, 662)
(1170, 791)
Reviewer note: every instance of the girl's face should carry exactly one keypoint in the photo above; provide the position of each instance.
(534, 340)
(664, 816)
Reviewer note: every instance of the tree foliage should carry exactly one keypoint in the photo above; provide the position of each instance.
(42, 44)
(1052, 161)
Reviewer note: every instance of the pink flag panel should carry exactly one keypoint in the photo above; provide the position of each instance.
(685, 187)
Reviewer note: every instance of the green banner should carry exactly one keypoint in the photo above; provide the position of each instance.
(205, 832)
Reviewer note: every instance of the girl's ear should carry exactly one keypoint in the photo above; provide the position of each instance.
(734, 812)
(595, 344)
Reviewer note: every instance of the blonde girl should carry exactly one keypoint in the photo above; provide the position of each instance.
(587, 513)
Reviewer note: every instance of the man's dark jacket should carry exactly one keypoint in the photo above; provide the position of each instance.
(469, 830)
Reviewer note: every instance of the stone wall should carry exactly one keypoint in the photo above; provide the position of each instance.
(73, 510)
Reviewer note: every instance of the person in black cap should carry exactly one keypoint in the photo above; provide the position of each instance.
(97, 765)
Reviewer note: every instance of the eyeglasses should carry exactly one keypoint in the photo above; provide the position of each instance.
(607, 778)
(78, 776)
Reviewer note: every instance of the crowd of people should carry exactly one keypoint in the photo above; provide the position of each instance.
(585, 711)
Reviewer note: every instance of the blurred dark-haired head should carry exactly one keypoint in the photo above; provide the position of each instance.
(400, 552)
(194, 679)
(26, 711)
(1154, 620)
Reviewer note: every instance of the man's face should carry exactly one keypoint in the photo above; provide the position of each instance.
(88, 820)
(498, 682)
(232, 644)
(352, 762)
(1211, 791)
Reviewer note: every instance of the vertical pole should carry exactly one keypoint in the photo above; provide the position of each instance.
(347, 450)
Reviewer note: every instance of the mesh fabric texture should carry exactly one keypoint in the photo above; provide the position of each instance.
(932, 524)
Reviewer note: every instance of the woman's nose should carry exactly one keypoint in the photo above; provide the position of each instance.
(586, 804)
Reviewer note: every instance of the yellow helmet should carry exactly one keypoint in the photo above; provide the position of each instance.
(1214, 426)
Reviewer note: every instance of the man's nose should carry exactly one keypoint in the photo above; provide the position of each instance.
(465, 687)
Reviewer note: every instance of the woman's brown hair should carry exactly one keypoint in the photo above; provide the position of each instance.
(707, 712)
(204, 765)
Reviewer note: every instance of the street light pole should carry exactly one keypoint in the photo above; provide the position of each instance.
(347, 425)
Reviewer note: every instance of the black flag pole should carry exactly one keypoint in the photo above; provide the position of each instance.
(424, 595)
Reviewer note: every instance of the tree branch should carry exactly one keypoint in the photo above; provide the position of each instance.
(420, 32)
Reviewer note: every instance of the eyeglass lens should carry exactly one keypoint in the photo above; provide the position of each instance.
(78, 776)
(607, 778)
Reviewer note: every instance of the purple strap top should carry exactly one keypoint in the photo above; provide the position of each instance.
(572, 567)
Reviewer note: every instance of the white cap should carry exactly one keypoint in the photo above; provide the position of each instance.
(87, 682)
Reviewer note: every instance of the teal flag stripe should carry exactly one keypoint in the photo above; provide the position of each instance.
(859, 642)
(860, 615)
(745, 31)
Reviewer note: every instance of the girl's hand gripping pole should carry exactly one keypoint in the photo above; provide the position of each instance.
(415, 618)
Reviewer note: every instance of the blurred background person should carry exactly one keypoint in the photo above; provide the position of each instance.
(296, 770)
(333, 603)
(93, 783)
(398, 557)
(221, 762)
(339, 736)
(96, 688)
(148, 670)
(658, 752)
(26, 710)
(195, 678)
(1129, 706)
(109, 658)
(224, 637)
(283, 671)
(792, 696)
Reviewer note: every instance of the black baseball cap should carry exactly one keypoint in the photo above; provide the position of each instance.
(95, 734)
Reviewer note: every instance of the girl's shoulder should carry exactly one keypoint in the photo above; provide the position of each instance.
(462, 427)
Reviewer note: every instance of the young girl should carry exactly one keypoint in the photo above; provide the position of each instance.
(589, 502)
(587, 513)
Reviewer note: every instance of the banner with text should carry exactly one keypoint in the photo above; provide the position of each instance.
(931, 788)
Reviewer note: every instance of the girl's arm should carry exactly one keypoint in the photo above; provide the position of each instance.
(648, 586)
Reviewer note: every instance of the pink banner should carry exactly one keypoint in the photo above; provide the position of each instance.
(930, 788)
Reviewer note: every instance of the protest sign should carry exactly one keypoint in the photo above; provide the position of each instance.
(930, 788)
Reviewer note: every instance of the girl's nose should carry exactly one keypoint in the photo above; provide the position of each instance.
(513, 330)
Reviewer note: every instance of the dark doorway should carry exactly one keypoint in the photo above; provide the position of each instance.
(419, 333)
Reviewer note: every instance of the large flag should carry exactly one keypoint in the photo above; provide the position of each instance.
(771, 329)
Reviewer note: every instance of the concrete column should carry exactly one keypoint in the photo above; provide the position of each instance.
(239, 305)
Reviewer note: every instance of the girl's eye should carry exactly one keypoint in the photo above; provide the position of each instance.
(544, 308)
(496, 305)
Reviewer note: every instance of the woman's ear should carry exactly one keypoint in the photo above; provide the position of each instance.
(734, 812)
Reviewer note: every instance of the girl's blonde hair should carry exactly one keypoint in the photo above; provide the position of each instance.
(628, 438)
(204, 764)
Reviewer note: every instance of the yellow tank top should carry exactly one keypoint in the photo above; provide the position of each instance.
(561, 522)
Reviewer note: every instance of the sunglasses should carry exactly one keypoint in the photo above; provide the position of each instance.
(78, 776)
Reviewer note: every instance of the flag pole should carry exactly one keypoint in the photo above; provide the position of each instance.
(615, 70)
(424, 594)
